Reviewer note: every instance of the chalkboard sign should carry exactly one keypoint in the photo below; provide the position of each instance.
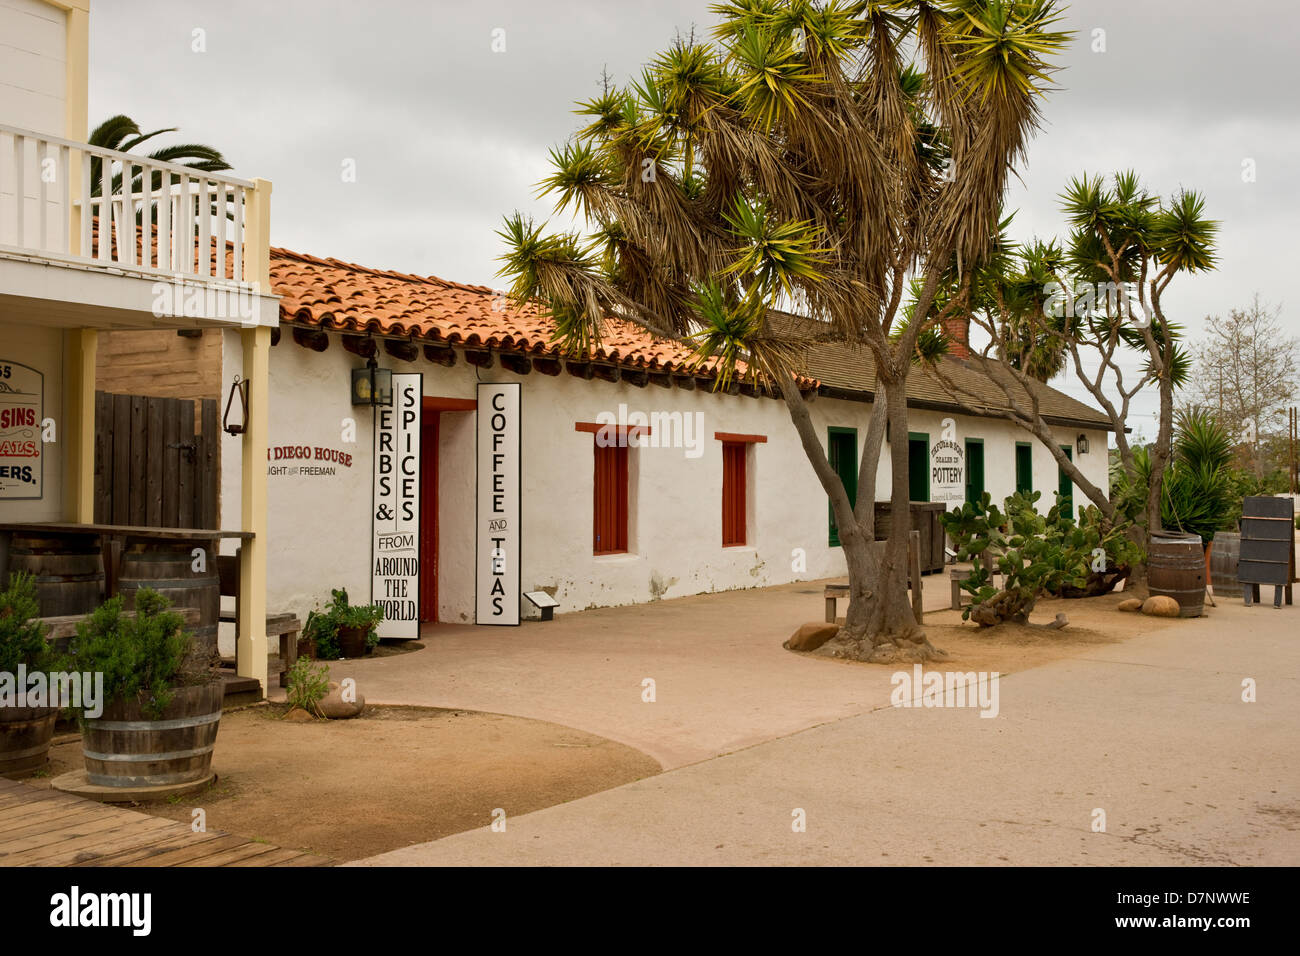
(1267, 541)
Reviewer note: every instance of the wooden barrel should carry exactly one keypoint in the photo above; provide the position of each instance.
(25, 735)
(124, 748)
(1176, 569)
(1223, 563)
(168, 568)
(69, 571)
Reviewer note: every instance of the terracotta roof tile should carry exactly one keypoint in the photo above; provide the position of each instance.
(333, 294)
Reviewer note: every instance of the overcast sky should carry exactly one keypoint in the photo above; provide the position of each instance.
(447, 136)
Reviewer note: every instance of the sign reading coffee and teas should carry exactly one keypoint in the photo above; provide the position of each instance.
(22, 398)
(395, 544)
(497, 546)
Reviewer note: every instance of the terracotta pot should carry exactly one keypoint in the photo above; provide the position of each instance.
(352, 641)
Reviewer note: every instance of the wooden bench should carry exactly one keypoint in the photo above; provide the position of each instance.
(287, 627)
(957, 575)
(59, 630)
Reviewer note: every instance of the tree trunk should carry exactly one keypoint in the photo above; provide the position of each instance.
(879, 625)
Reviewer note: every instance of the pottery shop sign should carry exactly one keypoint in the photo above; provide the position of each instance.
(22, 397)
(948, 467)
(497, 549)
(395, 543)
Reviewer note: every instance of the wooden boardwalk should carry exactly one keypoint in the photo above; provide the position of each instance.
(49, 828)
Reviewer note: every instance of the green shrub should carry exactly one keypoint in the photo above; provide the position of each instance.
(323, 625)
(141, 656)
(308, 683)
(22, 636)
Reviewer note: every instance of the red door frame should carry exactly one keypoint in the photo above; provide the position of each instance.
(429, 516)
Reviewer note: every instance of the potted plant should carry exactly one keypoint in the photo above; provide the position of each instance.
(159, 720)
(25, 732)
(342, 629)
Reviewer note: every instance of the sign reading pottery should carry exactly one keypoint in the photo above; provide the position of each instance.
(947, 471)
(497, 547)
(395, 545)
(22, 398)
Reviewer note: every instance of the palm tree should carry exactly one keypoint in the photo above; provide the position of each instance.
(828, 155)
(121, 133)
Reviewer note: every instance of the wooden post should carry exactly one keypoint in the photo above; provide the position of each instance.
(914, 570)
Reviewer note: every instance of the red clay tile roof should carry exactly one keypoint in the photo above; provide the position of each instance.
(332, 294)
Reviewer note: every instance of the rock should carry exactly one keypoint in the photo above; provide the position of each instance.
(1060, 622)
(811, 636)
(1132, 604)
(1161, 605)
(333, 706)
(298, 715)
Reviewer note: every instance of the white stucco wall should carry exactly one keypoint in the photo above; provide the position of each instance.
(320, 526)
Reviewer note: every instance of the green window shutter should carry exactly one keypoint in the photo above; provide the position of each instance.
(974, 469)
(842, 450)
(1024, 467)
(1066, 486)
(918, 466)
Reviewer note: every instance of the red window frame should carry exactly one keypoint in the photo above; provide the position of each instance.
(609, 499)
(734, 524)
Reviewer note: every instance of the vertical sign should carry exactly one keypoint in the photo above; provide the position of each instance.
(22, 467)
(498, 540)
(395, 544)
(948, 467)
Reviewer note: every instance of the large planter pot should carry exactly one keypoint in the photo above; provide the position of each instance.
(1176, 569)
(352, 641)
(125, 748)
(25, 735)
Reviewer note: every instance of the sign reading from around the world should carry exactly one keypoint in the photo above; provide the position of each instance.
(948, 467)
(22, 398)
(395, 545)
(497, 549)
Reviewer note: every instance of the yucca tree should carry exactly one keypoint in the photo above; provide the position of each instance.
(825, 155)
(1093, 303)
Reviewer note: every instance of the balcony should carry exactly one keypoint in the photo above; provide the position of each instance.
(92, 237)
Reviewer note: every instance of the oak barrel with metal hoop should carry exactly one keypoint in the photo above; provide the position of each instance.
(169, 568)
(1176, 568)
(68, 571)
(125, 748)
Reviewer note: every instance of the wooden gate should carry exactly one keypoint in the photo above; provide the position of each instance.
(153, 467)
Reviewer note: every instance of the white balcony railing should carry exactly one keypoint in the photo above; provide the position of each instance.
(58, 201)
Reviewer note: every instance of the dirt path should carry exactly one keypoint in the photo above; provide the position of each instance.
(393, 777)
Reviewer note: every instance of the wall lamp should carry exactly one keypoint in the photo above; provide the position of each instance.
(372, 385)
(1081, 443)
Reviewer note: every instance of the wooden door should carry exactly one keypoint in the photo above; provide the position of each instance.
(429, 517)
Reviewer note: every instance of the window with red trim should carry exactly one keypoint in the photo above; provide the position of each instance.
(609, 484)
(733, 494)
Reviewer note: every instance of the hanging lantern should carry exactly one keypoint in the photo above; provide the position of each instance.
(240, 387)
(372, 385)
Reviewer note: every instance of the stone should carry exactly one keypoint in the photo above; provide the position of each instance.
(298, 715)
(1161, 605)
(1132, 604)
(333, 706)
(811, 636)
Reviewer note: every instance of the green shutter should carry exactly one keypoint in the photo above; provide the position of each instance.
(918, 466)
(974, 469)
(1024, 467)
(842, 450)
(1066, 486)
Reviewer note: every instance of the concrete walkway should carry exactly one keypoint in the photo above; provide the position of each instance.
(1153, 732)
(722, 681)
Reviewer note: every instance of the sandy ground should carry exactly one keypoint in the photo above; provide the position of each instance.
(393, 777)
(1009, 648)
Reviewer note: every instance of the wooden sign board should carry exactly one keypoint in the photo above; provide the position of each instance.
(1267, 541)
